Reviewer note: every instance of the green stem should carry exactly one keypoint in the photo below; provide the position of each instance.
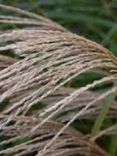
(102, 115)
(113, 145)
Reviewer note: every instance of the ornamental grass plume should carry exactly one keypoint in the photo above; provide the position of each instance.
(39, 61)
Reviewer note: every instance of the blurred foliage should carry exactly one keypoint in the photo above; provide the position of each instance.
(94, 19)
